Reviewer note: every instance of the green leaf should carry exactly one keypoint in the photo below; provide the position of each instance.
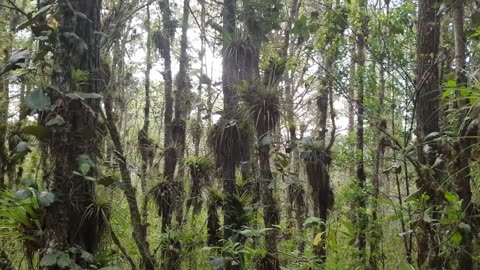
(426, 217)
(40, 132)
(217, 262)
(267, 139)
(318, 238)
(27, 182)
(312, 221)
(349, 227)
(106, 181)
(91, 95)
(85, 163)
(45, 198)
(465, 227)
(451, 197)
(21, 150)
(456, 238)
(33, 19)
(84, 168)
(432, 136)
(109, 268)
(49, 259)
(38, 101)
(23, 194)
(74, 95)
(64, 260)
(88, 257)
(19, 57)
(57, 120)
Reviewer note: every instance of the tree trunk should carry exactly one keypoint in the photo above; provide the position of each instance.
(360, 165)
(182, 102)
(73, 194)
(145, 145)
(163, 41)
(139, 229)
(427, 105)
(464, 146)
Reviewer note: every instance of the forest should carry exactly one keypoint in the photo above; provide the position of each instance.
(239, 134)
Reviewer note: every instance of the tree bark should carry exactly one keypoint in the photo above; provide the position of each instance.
(360, 164)
(163, 41)
(63, 226)
(427, 118)
(465, 143)
(139, 229)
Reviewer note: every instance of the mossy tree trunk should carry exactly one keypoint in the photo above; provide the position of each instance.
(163, 41)
(64, 226)
(427, 119)
(361, 178)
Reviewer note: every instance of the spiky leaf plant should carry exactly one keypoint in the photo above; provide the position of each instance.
(295, 190)
(317, 162)
(244, 56)
(230, 141)
(200, 168)
(215, 199)
(264, 107)
(94, 221)
(239, 206)
(166, 194)
(21, 219)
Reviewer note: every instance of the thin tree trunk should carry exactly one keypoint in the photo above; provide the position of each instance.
(197, 130)
(360, 164)
(139, 229)
(464, 146)
(182, 102)
(145, 144)
(230, 107)
(427, 114)
(376, 230)
(163, 41)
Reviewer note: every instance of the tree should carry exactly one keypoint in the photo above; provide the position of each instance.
(77, 50)
(427, 118)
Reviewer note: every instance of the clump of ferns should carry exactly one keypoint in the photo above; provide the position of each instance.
(200, 168)
(230, 141)
(264, 106)
(22, 220)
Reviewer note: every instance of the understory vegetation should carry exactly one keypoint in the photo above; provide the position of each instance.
(239, 134)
